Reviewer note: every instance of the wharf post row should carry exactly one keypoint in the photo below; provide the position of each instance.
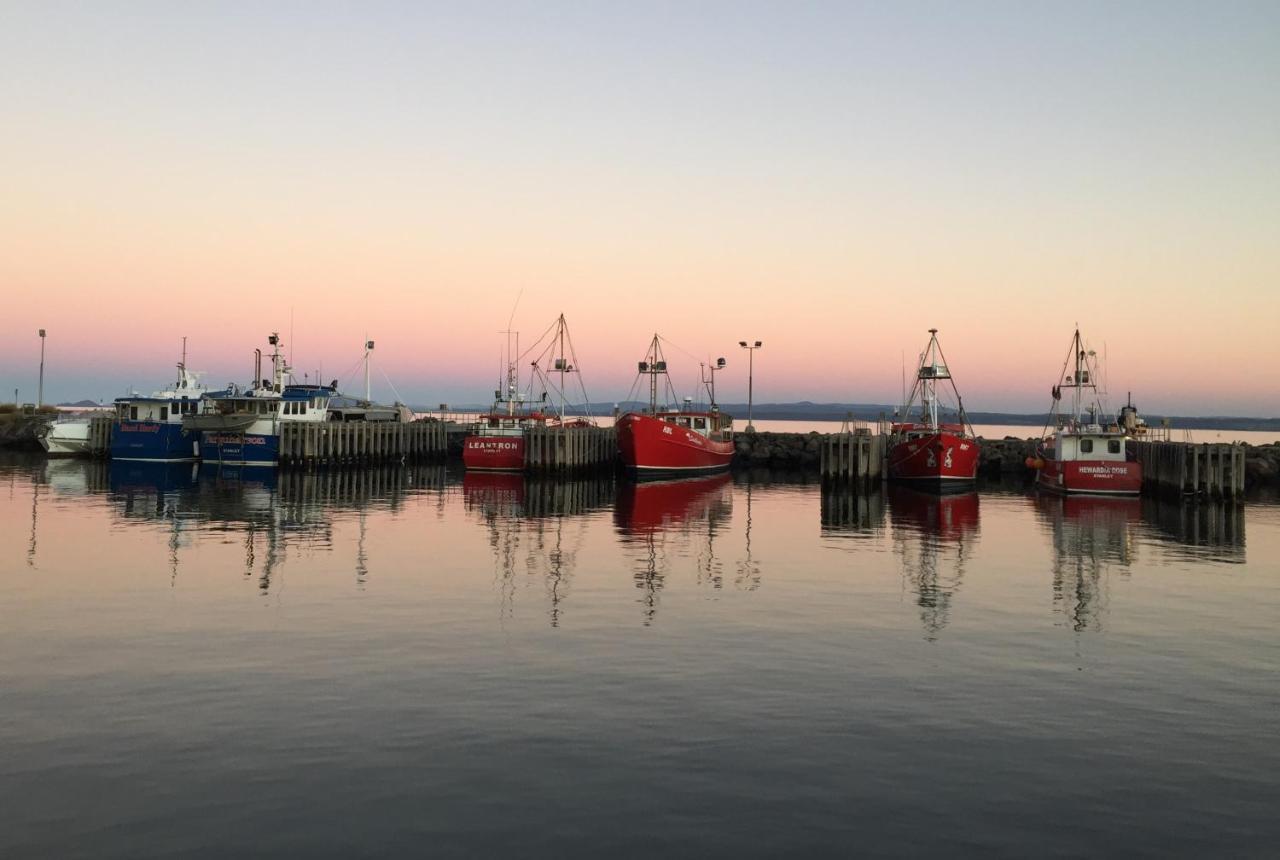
(1221, 471)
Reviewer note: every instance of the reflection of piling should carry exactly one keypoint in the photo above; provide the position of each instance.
(843, 509)
(304, 443)
(566, 498)
(1185, 468)
(569, 449)
(1211, 525)
(853, 458)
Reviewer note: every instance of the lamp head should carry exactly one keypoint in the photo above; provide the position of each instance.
(759, 344)
(742, 343)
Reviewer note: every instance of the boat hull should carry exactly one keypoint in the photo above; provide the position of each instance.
(1090, 477)
(66, 439)
(239, 449)
(493, 453)
(152, 441)
(651, 446)
(943, 461)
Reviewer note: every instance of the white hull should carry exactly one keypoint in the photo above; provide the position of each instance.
(67, 439)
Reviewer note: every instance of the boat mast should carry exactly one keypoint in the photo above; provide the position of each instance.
(560, 363)
(928, 390)
(368, 348)
(654, 366)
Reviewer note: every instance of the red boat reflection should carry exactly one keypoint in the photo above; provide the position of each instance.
(493, 490)
(1102, 511)
(646, 507)
(950, 516)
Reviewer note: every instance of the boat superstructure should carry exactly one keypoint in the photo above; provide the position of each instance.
(925, 449)
(1083, 454)
(242, 426)
(674, 439)
(151, 427)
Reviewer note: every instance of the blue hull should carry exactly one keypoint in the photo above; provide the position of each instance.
(151, 440)
(239, 449)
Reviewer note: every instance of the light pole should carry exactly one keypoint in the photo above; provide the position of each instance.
(751, 354)
(40, 388)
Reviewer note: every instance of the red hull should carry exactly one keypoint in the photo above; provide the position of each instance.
(943, 458)
(1091, 477)
(652, 445)
(494, 453)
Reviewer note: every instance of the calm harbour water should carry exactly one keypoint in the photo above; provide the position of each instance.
(404, 660)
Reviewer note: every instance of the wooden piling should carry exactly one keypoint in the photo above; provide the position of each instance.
(1184, 468)
(357, 442)
(852, 458)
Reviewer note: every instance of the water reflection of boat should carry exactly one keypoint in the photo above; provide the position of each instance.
(933, 534)
(644, 507)
(535, 527)
(649, 513)
(493, 491)
(1090, 534)
(949, 516)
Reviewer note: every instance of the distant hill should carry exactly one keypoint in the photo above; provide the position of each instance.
(81, 404)
(808, 411)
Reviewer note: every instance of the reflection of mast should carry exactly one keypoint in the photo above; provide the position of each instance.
(35, 506)
(649, 580)
(362, 558)
(748, 568)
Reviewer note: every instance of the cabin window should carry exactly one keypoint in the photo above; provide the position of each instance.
(1113, 446)
(1086, 446)
(133, 413)
(164, 413)
(699, 424)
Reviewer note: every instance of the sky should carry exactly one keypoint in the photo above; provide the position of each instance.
(830, 179)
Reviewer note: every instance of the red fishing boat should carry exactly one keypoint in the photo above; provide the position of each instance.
(674, 439)
(926, 450)
(498, 441)
(1084, 454)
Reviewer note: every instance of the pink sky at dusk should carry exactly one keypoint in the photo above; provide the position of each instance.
(802, 178)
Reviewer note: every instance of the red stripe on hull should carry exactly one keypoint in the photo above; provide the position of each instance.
(1098, 477)
(943, 457)
(494, 453)
(646, 443)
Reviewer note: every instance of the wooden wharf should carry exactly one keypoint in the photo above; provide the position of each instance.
(305, 443)
(853, 457)
(1185, 468)
(567, 449)
(100, 434)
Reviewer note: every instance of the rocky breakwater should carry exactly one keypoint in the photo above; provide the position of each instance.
(1262, 465)
(783, 450)
(22, 430)
(1005, 457)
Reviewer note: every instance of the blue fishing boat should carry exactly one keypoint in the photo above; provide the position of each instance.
(150, 427)
(241, 427)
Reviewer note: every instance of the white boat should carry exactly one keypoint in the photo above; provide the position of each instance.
(67, 437)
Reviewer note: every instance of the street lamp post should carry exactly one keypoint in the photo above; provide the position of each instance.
(40, 387)
(751, 354)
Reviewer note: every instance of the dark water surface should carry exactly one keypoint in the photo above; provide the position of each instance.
(403, 661)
